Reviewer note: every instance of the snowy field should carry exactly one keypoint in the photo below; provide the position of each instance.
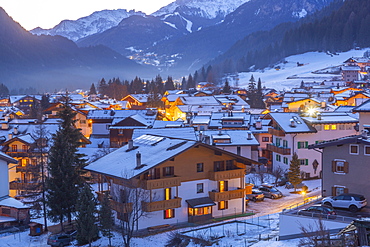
(259, 230)
(312, 61)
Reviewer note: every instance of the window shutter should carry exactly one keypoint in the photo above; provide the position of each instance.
(299, 145)
(346, 190)
(333, 191)
(306, 162)
(172, 170)
(345, 169)
(333, 166)
(306, 144)
(226, 185)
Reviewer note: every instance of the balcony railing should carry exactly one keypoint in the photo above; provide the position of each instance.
(28, 168)
(226, 195)
(121, 207)
(224, 175)
(276, 132)
(15, 185)
(160, 183)
(279, 150)
(18, 154)
(161, 205)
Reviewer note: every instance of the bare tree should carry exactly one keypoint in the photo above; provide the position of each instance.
(129, 199)
(260, 172)
(278, 172)
(315, 235)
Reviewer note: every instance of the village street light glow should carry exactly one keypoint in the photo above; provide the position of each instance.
(311, 111)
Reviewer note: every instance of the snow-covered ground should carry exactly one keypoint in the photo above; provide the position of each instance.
(264, 222)
(313, 61)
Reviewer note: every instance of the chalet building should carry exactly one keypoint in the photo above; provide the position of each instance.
(364, 115)
(178, 180)
(136, 101)
(361, 62)
(351, 98)
(24, 102)
(12, 211)
(345, 166)
(292, 133)
(350, 73)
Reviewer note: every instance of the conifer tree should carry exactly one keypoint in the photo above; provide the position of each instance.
(106, 218)
(169, 84)
(294, 173)
(65, 167)
(183, 83)
(191, 83)
(92, 89)
(87, 230)
(226, 88)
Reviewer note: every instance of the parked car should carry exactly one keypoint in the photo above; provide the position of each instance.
(353, 202)
(270, 191)
(256, 195)
(318, 210)
(61, 239)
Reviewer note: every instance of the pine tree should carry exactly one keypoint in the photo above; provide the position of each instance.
(226, 89)
(92, 89)
(294, 173)
(183, 83)
(191, 83)
(65, 167)
(106, 218)
(4, 91)
(169, 84)
(87, 230)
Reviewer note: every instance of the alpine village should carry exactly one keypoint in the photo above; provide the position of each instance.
(206, 123)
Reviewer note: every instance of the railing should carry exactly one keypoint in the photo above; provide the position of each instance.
(28, 168)
(226, 195)
(161, 205)
(276, 132)
(15, 185)
(100, 195)
(280, 150)
(121, 207)
(224, 175)
(160, 183)
(18, 154)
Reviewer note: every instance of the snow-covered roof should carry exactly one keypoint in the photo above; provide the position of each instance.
(154, 150)
(187, 133)
(350, 68)
(364, 107)
(201, 109)
(331, 117)
(167, 124)
(201, 120)
(12, 203)
(203, 100)
(236, 137)
(148, 115)
(283, 119)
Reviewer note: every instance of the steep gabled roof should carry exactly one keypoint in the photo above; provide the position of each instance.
(283, 120)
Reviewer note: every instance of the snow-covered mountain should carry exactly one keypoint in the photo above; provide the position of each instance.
(196, 14)
(97, 22)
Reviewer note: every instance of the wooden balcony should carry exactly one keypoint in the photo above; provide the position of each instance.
(15, 185)
(121, 207)
(225, 175)
(161, 205)
(100, 195)
(160, 183)
(226, 195)
(279, 150)
(276, 132)
(28, 168)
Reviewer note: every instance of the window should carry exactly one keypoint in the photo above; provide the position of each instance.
(333, 127)
(223, 186)
(318, 127)
(277, 142)
(326, 127)
(285, 143)
(229, 165)
(120, 131)
(278, 157)
(219, 166)
(302, 145)
(200, 188)
(223, 205)
(24, 162)
(200, 167)
(14, 148)
(238, 150)
(339, 190)
(24, 148)
(367, 150)
(353, 149)
(5, 211)
(285, 160)
(167, 193)
(169, 213)
(340, 166)
(303, 162)
(199, 211)
(265, 139)
(83, 121)
(168, 171)
(342, 126)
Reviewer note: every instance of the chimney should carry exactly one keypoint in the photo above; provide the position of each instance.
(292, 123)
(15, 131)
(319, 116)
(258, 124)
(43, 118)
(243, 109)
(138, 159)
(201, 136)
(364, 134)
(249, 135)
(220, 130)
(130, 144)
(7, 118)
(10, 136)
(207, 139)
(323, 104)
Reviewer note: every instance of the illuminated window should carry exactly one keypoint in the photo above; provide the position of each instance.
(223, 205)
(14, 148)
(326, 127)
(333, 126)
(24, 148)
(24, 162)
(169, 213)
(167, 193)
(199, 211)
(223, 186)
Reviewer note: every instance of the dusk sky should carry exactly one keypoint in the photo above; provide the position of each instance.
(48, 13)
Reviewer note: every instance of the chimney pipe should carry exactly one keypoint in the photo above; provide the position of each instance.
(258, 124)
(249, 135)
(319, 116)
(15, 131)
(292, 123)
(10, 136)
(7, 118)
(220, 130)
(130, 144)
(138, 159)
(201, 136)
